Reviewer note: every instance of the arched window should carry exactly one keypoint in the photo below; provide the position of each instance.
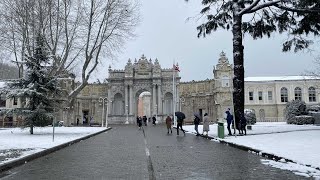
(168, 104)
(284, 94)
(312, 94)
(297, 94)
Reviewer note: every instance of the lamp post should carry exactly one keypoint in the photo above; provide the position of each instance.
(104, 100)
(127, 119)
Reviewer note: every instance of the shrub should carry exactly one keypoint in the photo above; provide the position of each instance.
(250, 116)
(313, 108)
(294, 108)
(301, 120)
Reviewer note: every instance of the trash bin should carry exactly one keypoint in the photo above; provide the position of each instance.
(220, 130)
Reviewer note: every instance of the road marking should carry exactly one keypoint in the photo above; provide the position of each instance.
(150, 166)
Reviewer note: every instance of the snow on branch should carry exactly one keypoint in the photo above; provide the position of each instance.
(249, 7)
(310, 10)
(261, 6)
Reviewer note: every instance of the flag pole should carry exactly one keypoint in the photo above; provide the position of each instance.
(174, 95)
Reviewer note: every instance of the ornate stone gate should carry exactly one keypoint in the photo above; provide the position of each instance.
(125, 86)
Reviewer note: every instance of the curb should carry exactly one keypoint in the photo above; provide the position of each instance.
(19, 162)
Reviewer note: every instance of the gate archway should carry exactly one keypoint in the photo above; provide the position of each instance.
(125, 86)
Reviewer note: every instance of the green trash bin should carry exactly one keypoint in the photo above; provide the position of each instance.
(220, 130)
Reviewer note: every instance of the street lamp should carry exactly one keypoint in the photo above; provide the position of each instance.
(104, 100)
(127, 120)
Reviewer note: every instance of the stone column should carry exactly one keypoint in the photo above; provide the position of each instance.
(130, 100)
(159, 100)
(109, 102)
(154, 101)
(126, 99)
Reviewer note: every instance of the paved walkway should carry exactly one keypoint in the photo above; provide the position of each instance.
(128, 153)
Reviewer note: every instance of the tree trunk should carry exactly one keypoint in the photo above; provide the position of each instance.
(31, 129)
(238, 79)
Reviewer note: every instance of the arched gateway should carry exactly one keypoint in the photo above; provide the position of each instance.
(125, 86)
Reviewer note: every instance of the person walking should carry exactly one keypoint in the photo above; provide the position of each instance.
(243, 124)
(206, 123)
(139, 122)
(179, 124)
(196, 122)
(145, 120)
(154, 120)
(229, 121)
(77, 121)
(169, 122)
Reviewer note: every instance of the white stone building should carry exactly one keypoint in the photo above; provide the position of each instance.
(267, 96)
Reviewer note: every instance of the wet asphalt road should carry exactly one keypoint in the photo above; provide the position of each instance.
(128, 153)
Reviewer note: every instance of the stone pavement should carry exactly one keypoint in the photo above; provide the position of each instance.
(125, 152)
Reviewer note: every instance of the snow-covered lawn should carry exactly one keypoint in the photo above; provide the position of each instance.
(299, 143)
(16, 142)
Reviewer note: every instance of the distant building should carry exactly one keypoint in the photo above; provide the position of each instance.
(267, 96)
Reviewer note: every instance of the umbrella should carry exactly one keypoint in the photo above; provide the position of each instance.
(197, 115)
(180, 115)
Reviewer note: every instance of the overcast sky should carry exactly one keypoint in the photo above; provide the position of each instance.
(165, 34)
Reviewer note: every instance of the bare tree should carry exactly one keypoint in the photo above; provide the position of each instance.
(80, 34)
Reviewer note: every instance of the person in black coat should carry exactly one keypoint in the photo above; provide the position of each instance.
(137, 120)
(154, 120)
(229, 121)
(140, 122)
(196, 122)
(179, 124)
(243, 124)
(145, 120)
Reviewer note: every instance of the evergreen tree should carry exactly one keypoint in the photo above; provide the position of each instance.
(37, 87)
(298, 18)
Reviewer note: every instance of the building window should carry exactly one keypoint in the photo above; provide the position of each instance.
(297, 94)
(269, 95)
(225, 81)
(251, 96)
(15, 101)
(260, 95)
(312, 94)
(284, 94)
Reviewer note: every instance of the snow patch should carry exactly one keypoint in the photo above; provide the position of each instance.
(297, 169)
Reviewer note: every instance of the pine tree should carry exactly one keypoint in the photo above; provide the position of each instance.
(37, 87)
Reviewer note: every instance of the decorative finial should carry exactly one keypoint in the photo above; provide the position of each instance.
(222, 54)
(135, 60)
(143, 57)
(223, 59)
(109, 67)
